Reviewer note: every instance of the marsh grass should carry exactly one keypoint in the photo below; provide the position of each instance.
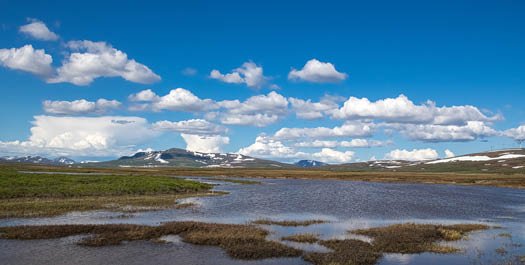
(507, 235)
(288, 223)
(302, 238)
(14, 184)
(185, 205)
(412, 238)
(239, 241)
(346, 251)
(48, 207)
(500, 179)
(45, 195)
(249, 241)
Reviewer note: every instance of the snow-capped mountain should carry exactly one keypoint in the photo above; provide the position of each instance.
(39, 160)
(176, 157)
(310, 163)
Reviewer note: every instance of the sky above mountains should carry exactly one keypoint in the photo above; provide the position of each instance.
(332, 81)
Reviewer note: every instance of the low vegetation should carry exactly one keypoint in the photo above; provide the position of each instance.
(48, 207)
(301, 238)
(504, 179)
(19, 185)
(288, 223)
(508, 235)
(346, 251)
(399, 238)
(239, 241)
(44, 195)
(412, 238)
(185, 205)
(249, 241)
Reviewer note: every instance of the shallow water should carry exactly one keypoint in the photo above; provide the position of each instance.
(346, 204)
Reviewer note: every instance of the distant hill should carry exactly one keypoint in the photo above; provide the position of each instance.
(39, 160)
(309, 163)
(501, 161)
(176, 157)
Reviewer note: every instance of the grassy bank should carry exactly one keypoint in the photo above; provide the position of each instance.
(38, 195)
(516, 180)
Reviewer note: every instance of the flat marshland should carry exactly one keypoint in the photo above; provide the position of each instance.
(249, 241)
(294, 217)
(39, 195)
(505, 179)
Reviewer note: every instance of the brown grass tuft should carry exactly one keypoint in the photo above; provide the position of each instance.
(302, 238)
(239, 241)
(347, 251)
(416, 238)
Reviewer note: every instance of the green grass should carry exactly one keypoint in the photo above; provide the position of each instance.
(17, 185)
(44, 195)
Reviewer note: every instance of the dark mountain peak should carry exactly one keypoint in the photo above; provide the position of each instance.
(310, 163)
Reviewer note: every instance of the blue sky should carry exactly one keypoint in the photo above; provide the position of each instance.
(453, 53)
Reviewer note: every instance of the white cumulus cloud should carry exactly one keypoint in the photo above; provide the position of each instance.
(38, 30)
(265, 147)
(445, 133)
(80, 106)
(144, 95)
(328, 155)
(193, 126)
(91, 60)
(354, 129)
(249, 73)
(517, 134)
(414, 155)
(318, 72)
(205, 143)
(181, 99)
(308, 110)
(449, 154)
(354, 143)
(82, 136)
(403, 110)
(27, 59)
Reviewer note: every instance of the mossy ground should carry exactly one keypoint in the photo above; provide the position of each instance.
(44, 195)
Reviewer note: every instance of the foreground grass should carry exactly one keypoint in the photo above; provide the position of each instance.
(44, 195)
(516, 180)
(301, 238)
(412, 238)
(400, 238)
(239, 241)
(249, 241)
(288, 223)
